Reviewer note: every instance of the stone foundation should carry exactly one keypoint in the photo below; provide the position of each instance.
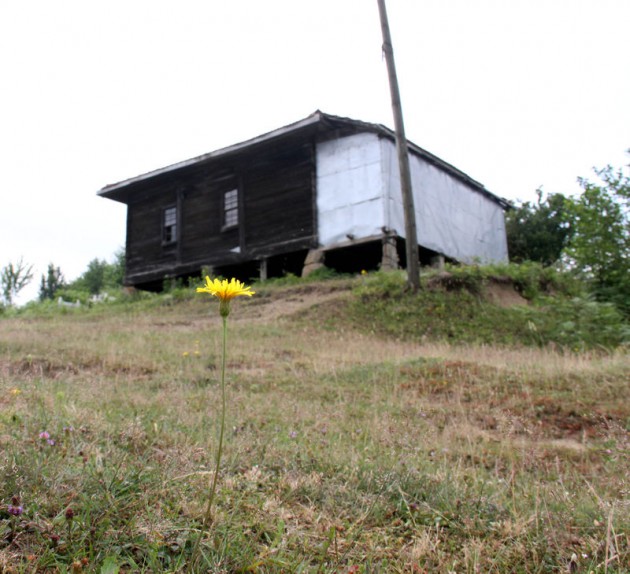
(314, 260)
(390, 260)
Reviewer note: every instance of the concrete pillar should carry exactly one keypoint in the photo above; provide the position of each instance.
(314, 260)
(437, 261)
(389, 261)
(263, 270)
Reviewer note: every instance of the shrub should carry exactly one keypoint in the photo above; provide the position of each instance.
(578, 323)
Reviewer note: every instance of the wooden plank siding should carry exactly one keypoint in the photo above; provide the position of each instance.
(276, 198)
(145, 253)
(278, 203)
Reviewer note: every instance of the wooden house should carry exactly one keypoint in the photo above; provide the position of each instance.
(323, 190)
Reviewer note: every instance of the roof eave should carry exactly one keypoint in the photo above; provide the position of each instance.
(109, 190)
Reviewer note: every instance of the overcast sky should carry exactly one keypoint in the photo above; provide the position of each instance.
(518, 94)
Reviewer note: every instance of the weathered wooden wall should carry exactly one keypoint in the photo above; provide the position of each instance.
(276, 213)
(279, 202)
(145, 254)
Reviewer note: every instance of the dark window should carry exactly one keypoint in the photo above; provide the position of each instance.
(169, 227)
(230, 208)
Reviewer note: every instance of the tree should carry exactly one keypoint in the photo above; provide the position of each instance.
(101, 275)
(93, 279)
(538, 231)
(115, 271)
(600, 247)
(51, 282)
(13, 278)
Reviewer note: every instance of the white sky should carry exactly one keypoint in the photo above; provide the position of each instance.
(518, 94)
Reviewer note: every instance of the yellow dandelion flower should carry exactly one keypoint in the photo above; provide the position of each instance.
(16, 392)
(185, 354)
(225, 291)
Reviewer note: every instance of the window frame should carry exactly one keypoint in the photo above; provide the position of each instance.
(230, 209)
(170, 225)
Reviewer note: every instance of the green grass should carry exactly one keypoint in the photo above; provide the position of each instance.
(458, 307)
(357, 441)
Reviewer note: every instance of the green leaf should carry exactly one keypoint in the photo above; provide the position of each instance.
(110, 566)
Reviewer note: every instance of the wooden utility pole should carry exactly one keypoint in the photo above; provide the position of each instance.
(413, 267)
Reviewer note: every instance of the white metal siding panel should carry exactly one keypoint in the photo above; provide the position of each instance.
(451, 217)
(349, 188)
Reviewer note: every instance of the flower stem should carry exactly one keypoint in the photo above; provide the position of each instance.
(207, 519)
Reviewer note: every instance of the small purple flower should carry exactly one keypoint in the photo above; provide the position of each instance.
(44, 435)
(15, 510)
(51, 442)
(68, 429)
(293, 434)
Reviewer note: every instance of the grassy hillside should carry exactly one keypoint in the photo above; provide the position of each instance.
(368, 431)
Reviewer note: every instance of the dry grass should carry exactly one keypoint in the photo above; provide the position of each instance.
(346, 452)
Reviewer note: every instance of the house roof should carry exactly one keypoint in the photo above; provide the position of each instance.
(317, 122)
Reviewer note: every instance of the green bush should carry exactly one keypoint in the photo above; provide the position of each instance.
(70, 295)
(382, 284)
(578, 323)
(324, 273)
(533, 280)
(457, 311)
